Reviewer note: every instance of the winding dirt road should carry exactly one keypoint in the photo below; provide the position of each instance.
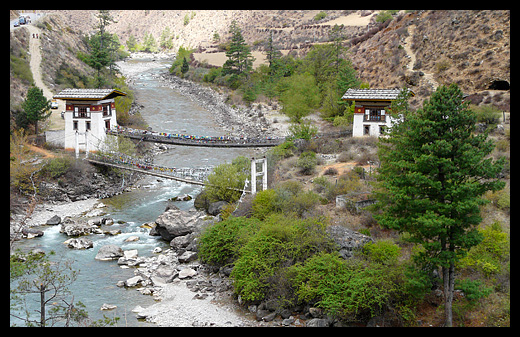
(408, 48)
(55, 122)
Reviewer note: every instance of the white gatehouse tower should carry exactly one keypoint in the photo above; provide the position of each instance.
(88, 114)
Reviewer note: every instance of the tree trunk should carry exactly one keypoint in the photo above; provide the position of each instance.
(42, 306)
(448, 276)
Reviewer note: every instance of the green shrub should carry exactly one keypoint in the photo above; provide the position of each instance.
(490, 255)
(384, 252)
(304, 201)
(473, 290)
(264, 204)
(319, 16)
(213, 74)
(487, 113)
(284, 150)
(20, 68)
(307, 162)
(56, 167)
(225, 178)
(219, 244)
(280, 242)
(345, 287)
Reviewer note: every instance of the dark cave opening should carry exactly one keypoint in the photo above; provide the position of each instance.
(499, 85)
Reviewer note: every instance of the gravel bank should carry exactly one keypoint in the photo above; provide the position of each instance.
(178, 308)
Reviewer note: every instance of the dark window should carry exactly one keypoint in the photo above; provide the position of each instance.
(74, 125)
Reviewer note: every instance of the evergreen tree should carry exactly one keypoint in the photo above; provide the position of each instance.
(185, 66)
(273, 54)
(101, 46)
(166, 41)
(434, 171)
(131, 43)
(239, 55)
(36, 107)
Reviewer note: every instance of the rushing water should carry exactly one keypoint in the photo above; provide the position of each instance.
(164, 110)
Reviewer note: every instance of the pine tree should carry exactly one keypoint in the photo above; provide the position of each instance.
(273, 54)
(433, 174)
(36, 106)
(239, 55)
(185, 66)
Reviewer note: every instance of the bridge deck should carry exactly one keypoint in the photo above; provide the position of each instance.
(157, 138)
(157, 174)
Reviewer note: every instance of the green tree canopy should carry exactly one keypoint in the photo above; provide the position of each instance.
(239, 55)
(434, 171)
(36, 107)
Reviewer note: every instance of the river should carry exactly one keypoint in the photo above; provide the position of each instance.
(166, 110)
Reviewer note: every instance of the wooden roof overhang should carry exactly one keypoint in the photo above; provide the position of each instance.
(88, 94)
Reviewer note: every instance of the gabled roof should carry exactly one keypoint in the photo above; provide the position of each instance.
(88, 94)
(372, 94)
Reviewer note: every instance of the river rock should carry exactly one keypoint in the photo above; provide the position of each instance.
(73, 228)
(180, 242)
(109, 252)
(55, 220)
(175, 222)
(317, 323)
(130, 254)
(79, 243)
(187, 272)
(165, 274)
(31, 232)
(188, 256)
(108, 306)
(216, 207)
(347, 240)
(132, 238)
(133, 281)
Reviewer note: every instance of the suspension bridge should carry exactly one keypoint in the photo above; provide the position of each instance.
(191, 140)
(195, 176)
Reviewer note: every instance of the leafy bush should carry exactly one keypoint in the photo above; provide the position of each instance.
(20, 68)
(345, 287)
(319, 16)
(302, 131)
(219, 244)
(56, 167)
(307, 162)
(264, 203)
(299, 96)
(487, 114)
(280, 242)
(490, 255)
(284, 150)
(226, 176)
(473, 290)
(384, 252)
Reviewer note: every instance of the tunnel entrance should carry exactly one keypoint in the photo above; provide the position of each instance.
(499, 85)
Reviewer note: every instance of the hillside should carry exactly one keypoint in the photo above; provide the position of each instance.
(419, 49)
(470, 48)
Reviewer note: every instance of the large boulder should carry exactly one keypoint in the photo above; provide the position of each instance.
(55, 220)
(109, 252)
(174, 222)
(79, 243)
(347, 240)
(73, 228)
(215, 208)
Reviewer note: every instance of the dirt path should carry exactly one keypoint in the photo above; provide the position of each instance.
(44, 152)
(55, 122)
(408, 48)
